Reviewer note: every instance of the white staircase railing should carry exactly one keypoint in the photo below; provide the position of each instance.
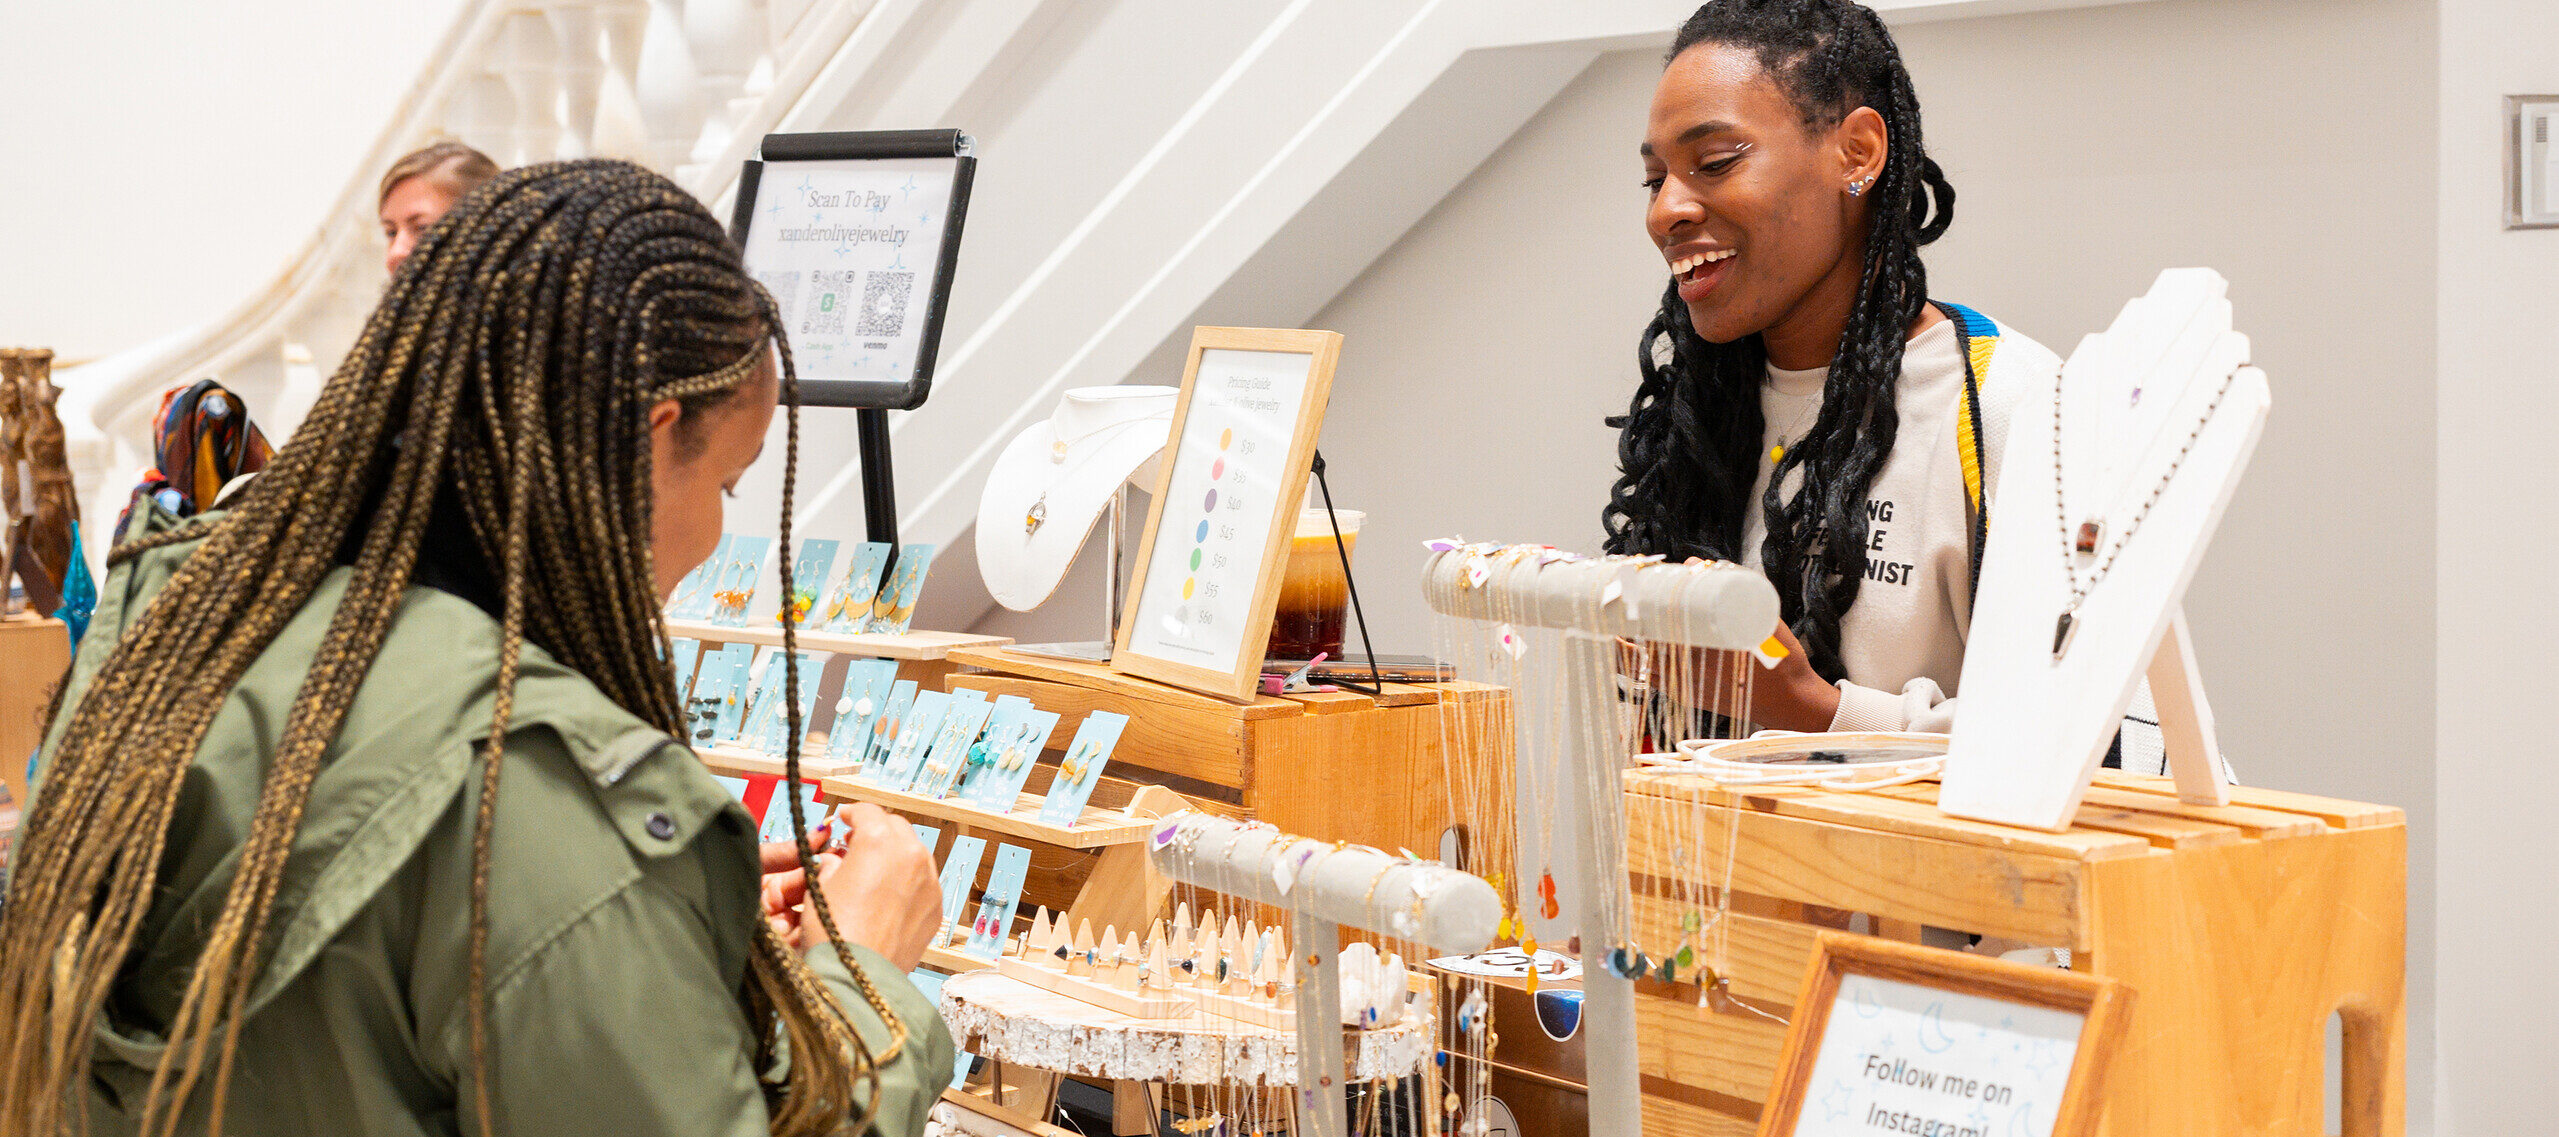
(682, 86)
(1149, 165)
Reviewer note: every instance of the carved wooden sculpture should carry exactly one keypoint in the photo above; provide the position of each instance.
(12, 435)
(35, 474)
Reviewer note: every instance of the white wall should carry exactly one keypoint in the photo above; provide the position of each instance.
(166, 158)
(2288, 145)
(2496, 334)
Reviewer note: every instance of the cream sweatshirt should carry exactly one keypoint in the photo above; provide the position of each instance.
(1903, 638)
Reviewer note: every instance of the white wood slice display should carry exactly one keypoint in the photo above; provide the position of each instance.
(998, 1017)
(2030, 729)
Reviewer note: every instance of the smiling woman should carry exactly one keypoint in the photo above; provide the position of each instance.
(1805, 406)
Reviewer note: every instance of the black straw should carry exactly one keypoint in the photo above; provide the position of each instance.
(1376, 678)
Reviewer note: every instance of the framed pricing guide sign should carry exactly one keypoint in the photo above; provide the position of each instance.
(1895, 1038)
(1225, 508)
(856, 234)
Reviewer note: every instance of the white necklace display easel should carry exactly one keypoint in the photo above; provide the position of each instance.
(2141, 445)
(1060, 478)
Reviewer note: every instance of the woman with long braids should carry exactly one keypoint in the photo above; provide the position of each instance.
(363, 810)
(1804, 406)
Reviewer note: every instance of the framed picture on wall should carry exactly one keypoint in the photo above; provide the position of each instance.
(1225, 508)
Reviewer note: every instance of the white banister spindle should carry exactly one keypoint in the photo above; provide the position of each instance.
(668, 85)
(577, 30)
(624, 21)
(528, 59)
(481, 109)
(726, 38)
(524, 80)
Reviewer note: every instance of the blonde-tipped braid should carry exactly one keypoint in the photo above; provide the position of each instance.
(507, 374)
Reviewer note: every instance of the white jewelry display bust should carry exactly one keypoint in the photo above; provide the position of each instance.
(1064, 471)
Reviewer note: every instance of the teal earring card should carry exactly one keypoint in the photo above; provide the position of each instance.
(893, 610)
(929, 981)
(809, 569)
(741, 572)
(858, 710)
(692, 599)
(948, 754)
(886, 729)
(994, 921)
(929, 835)
(767, 728)
(681, 655)
(715, 709)
(777, 820)
(1012, 745)
(1081, 767)
(849, 609)
(914, 736)
(959, 871)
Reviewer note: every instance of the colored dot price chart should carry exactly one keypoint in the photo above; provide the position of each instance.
(1221, 508)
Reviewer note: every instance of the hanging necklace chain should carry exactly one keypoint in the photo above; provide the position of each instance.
(2079, 589)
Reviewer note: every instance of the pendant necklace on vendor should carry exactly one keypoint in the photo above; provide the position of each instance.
(1794, 431)
(1057, 455)
(2080, 544)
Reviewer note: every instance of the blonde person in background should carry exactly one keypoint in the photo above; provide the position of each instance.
(420, 187)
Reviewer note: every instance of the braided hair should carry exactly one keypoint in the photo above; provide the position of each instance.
(498, 394)
(1689, 446)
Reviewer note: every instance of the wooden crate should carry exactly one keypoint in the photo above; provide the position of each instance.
(922, 656)
(2241, 928)
(34, 653)
(1337, 767)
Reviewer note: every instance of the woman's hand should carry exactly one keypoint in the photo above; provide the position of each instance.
(881, 890)
(1790, 696)
(785, 885)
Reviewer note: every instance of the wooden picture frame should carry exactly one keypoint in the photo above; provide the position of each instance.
(2042, 994)
(1239, 465)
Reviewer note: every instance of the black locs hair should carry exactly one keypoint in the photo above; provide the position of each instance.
(1688, 451)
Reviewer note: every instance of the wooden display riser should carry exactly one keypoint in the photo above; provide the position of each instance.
(922, 656)
(35, 651)
(2239, 928)
(1338, 766)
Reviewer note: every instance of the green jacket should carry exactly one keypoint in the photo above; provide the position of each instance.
(623, 897)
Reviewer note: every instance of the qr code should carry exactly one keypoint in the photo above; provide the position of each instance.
(785, 287)
(830, 294)
(884, 304)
